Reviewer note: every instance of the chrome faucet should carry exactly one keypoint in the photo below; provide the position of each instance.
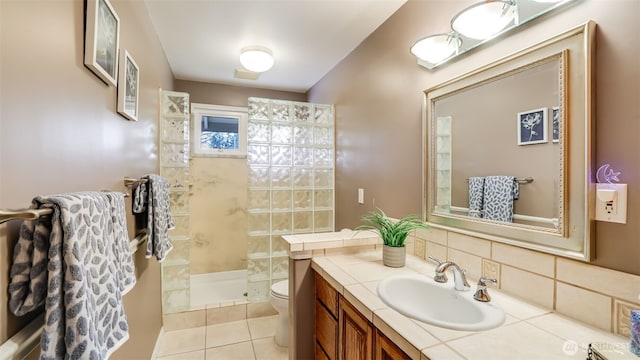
(459, 275)
(481, 293)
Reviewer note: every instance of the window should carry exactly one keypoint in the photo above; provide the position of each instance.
(219, 130)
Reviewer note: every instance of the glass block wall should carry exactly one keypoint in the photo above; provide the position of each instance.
(290, 157)
(443, 165)
(174, 165)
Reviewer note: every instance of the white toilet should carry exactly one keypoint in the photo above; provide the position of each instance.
(279, 299)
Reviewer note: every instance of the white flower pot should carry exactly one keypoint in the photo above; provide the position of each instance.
(394, 256)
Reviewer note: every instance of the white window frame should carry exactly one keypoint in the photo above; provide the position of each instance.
(199, 110)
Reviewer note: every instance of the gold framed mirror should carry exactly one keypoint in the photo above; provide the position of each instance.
(508, 148)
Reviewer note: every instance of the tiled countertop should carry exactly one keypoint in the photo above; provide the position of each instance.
(529, 332)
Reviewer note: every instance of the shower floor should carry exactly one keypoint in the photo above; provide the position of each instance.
(218, 288)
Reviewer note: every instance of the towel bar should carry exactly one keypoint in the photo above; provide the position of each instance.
(28, 214)
(526, 180)
(129, 182)
(553, 221)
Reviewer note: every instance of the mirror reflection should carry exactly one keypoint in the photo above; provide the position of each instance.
(508, 157)
(498, 157)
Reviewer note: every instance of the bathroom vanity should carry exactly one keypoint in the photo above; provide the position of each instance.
(345, 314)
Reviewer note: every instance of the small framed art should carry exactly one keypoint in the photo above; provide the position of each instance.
(555, 124)
(102, 40)
(532, 127)
(128, 86)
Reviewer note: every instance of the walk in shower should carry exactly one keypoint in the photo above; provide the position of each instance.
(231, 211)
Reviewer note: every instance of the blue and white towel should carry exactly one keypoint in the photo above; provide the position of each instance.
(499, 194)
(476, 196)
(159, 220)
(77, 262)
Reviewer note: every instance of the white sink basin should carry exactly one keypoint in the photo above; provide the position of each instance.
(421, 298)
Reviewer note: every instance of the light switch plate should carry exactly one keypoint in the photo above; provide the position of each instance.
(614, 210)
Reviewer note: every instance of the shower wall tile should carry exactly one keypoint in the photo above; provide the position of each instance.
(281, 134)
(280, 111)
(258, 132)
(178, 177)
(302, 113)
(175, 277)
(219, 219)
(258, 269)
(258, 246)
(175, 130)
(258, 154)
(299, 152)
(258, 176)
(281, 199)
(303, 135)
(323, 177)
(180, 253)
(174, 155)
(259, 200)
(258, 290)
(280, 268)
(181, 226)
(259, 109)
(175, 300)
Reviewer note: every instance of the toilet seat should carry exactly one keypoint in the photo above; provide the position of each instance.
(279, 299)
(280, 289)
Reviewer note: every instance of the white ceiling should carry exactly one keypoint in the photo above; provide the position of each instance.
(202, 38)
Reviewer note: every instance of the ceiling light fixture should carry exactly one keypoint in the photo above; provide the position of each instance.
(256, 58)
(436, 48)
(483, 20)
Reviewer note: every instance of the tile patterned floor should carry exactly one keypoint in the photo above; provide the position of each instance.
(252, 339)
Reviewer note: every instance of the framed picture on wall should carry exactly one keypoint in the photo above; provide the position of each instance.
(532, 127)
(102, 37)
(128, 79)
(555, 124)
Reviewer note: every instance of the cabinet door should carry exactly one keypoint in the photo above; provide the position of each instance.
(355, 334)
(387, 350)
(326, 331)
(326, 294)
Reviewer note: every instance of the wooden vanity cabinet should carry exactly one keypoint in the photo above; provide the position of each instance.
(326, 320)
(355, 334)
(387, 350)
(343, 333)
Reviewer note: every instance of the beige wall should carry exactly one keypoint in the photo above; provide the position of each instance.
(59, 132)
(484, 141)
(218, 196)
(377, 91)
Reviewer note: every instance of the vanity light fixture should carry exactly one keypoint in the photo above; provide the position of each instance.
(436, 48)
(485, 19)
(478, 24)
(256, 58)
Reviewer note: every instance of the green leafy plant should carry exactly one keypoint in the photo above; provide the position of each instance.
(393, 233)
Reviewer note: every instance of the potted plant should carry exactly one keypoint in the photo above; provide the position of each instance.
(393, 234)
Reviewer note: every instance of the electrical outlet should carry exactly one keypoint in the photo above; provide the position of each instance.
(611, 202)
(361, 196)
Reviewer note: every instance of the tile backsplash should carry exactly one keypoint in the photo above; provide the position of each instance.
(591, 294)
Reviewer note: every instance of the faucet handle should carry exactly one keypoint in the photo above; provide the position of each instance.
(439, 275)
(436, 260)
(481, 293)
